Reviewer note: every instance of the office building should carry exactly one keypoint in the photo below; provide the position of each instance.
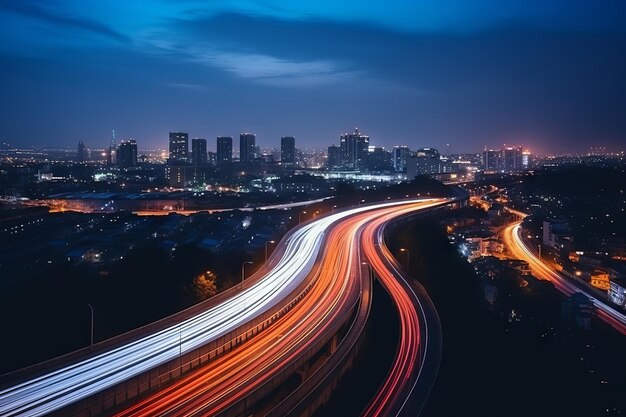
(127, 154)
(179, 147)
(378, 159)
(288, 150)
(334, 157)
(82, 154)
(247, 147)
(400, 154)
(512, 159)
(198, 152)
(224, 150)
(354, 149)
(426, 161)
(492, 160)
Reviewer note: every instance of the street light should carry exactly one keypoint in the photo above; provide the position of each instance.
(408, 258)
(300, 216)
(266, 244)
(91, 338)
(243, 271)
(332, 209)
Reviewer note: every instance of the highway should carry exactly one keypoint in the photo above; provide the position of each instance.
(414, 369)
(540, 269)
(305, 329)
(56, 389)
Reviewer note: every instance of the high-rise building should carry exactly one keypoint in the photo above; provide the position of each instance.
(127, 154)
(334, 157)
(112, 151)
(354, 149)
(224, 150)
(288, 150)
(378, 159)
(82, 154)
(512, 156)
(426, 161)
(247, 147)
(492, 160)
(400, 154)
(211, 158)
(179, 147)
(198, 152)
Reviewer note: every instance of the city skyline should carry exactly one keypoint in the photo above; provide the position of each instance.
(546, 76)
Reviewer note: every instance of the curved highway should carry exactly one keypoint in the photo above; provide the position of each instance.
(235, 376)
(80, 380)
(540, 269)
(414, 369)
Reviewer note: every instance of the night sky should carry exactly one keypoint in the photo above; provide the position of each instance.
(550, 75)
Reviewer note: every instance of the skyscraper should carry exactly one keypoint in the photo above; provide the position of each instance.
(400, 153)
(354, 149)
(492, 160)
(426, 161)
(112, 151)
(247, 147)
(288, 150)
(512, 157)
(224, 150)
(127, 154)
(334, 157)
(82, 154)
(179, 146)
(198, 152)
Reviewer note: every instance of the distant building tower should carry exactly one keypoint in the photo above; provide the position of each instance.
(492, 160)
(127, 154)
(378, 159)
(426, 161)
(400, 154)
(247, 147)
(512, 158)
(224, 150)
(288, 150)
(82, 154)
(198, 152)
(354, 149)
(334, 157)
(112, 151)
(179, 147)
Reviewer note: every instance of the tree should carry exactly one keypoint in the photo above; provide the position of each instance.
(204, 286)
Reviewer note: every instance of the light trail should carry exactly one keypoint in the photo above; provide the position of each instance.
(541, 270)
(235, 376)
(419, 347)
(80, 380)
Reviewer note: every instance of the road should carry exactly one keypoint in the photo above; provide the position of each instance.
(517, 247)
(71, 383)
(282, 348)
(414, 369)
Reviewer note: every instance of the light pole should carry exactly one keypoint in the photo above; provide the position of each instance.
(91, 338)
(300, 216)
(243, 271)
(539, 246)
(266, 245)
(332, 209)
(408, 258)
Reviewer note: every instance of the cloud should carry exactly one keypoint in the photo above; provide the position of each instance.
(35, 11)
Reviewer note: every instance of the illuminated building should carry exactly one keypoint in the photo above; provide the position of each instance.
(198, 152)
(354, 149)
(224, 150)
(127, 154)
(400, 154)
(247, 147)
(179, 146)
(82, 154)
(288, 150)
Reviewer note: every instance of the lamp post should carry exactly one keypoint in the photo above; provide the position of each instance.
(332, 209)
(266, 245)
(408, 258)
(91, 338)
(243, 271)
(539, 246)
(300, 216)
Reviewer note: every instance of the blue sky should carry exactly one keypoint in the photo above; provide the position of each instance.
(547, 74)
